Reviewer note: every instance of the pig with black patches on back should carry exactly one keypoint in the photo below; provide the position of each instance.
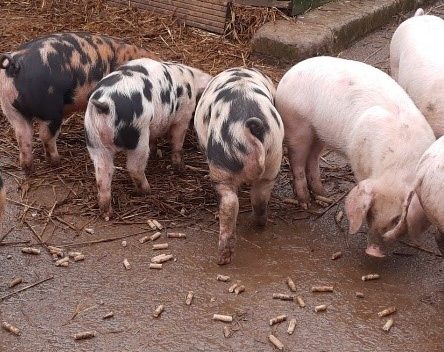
(365, 115)
(130, 109)
(242, 133)
(51, 77)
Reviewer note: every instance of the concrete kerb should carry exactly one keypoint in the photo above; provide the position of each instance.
(329, 29)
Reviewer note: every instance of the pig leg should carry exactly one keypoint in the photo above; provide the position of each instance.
(439, 237)
(104, 167)
(260, 195)
(228, 210)
(49, 140)
(374, 246)
(299, 144)
(136, 161)
(153, 148)
(313, 170)
(177, 136)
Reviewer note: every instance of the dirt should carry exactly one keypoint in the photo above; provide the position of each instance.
(294, 243)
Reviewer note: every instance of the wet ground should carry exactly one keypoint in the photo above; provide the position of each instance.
(294, 244)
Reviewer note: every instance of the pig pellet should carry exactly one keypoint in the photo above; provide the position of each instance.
(73, 254)
(223, 278)
(189, 298)
(30, 250)
(388, 325)
(144, 239)
(155, 236)
(84, 335)
(339, 216)
(321, 203)
(275, 341)
(11, 328)
(291, 326)
(124, 243)
(239, 289)
(64, 264)
(62, 261)
(283, 297)
(108, 315)
(224, 318)
(155, 266)
(324, 199)
(278, 319)
(55, 250)
(161, 258)
(291, 284)
(370, 277)
(158, 225)
(300, 301)
(79, 257)
(90, 230)
(160, 246)
(359, 295)
(55, 257)
(387, 311)
(126, 264)
(176, 235)
(336, 255)
(158, 311)
(151, 225)
(15, 282)
(227, 331)
(232, 287)
(320, 308)
(322, 289)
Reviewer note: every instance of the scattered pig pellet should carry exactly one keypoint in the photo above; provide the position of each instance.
(108, 315)
(9, 256)
(90, 230)
(321, 203)
(224, 318)
(79, 257)
(55, 250)
(10, 328)
(182, 211)
(161, 258)
(283, 297)
(278, 319)
(339, 216)
(189, 298)
(223, 278)
(126, 264)
(15, 282)
(291, 201)
(359, 295)
(388, 325)
(387, 311)
(160, 246)
(159, 153)
(73, 254)
(158, 225)
(322, 289)
(239, 289)
(155, 266)
(291, 326)
(232, 287)
(155, 236)
(212, 299)
(291, 284)
(151, 225)
(158, 311)
(124, 243)
(324, 199)
(321, 308)
(30, 250)
(64, 264)
(336, 255)
(227, 331)
(176, 235)
(300, 301)
(144, 239)
(275, 341)
(84, 335)
(61, 261)
(370, 277)
(55, 257)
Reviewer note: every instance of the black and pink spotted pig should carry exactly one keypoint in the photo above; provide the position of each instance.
(52, 76)
(130, 109)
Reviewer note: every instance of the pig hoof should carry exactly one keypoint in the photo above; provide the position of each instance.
(143, 189)
(28, 169)
(224, 258)
(179, 167)
(260, 220)
(374, 251)
(55, 161)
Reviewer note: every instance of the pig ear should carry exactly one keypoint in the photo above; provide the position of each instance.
(101, 107)
(401, 226)
(358, 203)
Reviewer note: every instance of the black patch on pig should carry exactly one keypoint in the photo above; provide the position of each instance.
(167, 75)
(261, 92)
(135, 68)
(243, 74)
(275, 116)
(97, 94)
(227, 95)
(256, 128)
(230, 80)
(189, 92)
(127, 73)
(88, 140)
(217, 156)
(148, 89)
(165, 96)
(179, 91)
(127, 137)
(127, 108)
(109, 81)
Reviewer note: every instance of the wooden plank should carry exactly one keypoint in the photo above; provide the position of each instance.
(300, 6)
(180, 7)
(264, 3)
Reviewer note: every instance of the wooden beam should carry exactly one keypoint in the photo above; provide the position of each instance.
(264, 3)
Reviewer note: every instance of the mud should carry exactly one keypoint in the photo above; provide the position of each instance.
(294, 244)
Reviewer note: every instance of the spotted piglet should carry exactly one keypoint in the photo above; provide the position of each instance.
(241, 133)
(132, 107)
(51, 77)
